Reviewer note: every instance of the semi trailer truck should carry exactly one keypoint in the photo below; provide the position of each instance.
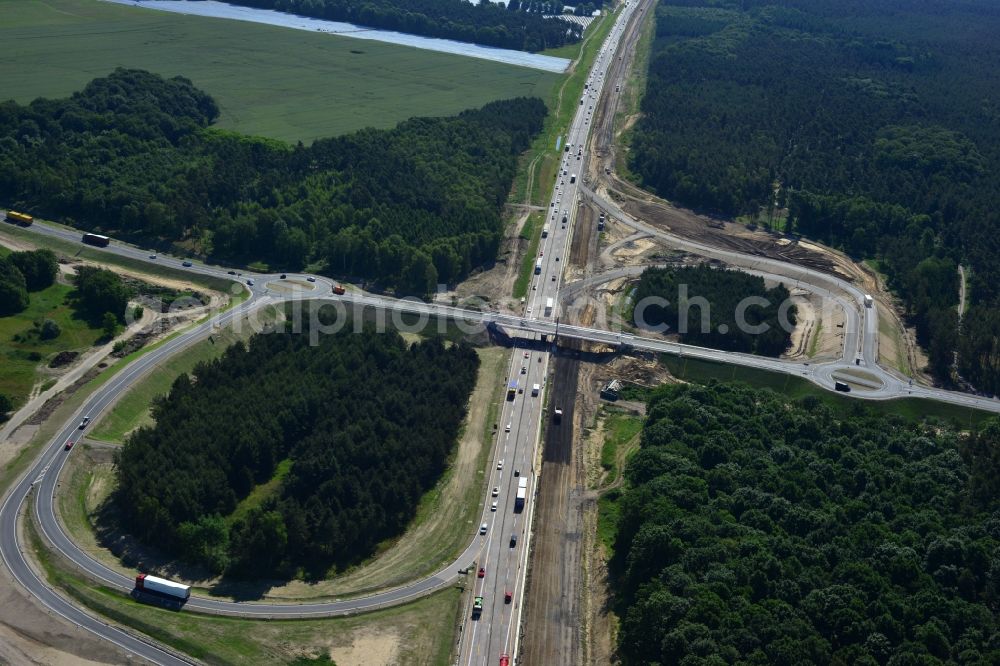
(162, 587)
(96, 240)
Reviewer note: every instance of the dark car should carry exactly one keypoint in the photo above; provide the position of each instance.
(283, 276)
(507, 596)
(69, 445)
(513, 540)
(232, 272)
(186, 264)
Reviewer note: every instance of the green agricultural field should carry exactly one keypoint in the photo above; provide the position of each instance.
(286, 84)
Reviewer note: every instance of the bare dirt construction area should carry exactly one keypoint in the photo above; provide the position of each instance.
(495, 284)
(818, 334)
(368, 649)
(553, 610)
(31, 635)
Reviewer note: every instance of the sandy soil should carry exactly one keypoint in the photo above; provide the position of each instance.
(30, 635)
(368, 649)
(817, 335)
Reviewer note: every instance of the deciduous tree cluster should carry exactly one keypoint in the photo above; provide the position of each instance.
(133, 155)
(755, 530)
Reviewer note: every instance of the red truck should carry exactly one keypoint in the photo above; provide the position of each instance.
(339, 289)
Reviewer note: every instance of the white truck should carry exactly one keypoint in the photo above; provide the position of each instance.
(549, 304)
(162, 586)
(538, 267)
(535, 388)
(545, 231)
(869, 301)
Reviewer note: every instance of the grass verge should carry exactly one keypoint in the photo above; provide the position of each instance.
(420, 632)
(440, 529)
(632, 92)
(24, 353)
(621, 438)
(86, 253)
(916, 409)
(531, 231)
(132, 410)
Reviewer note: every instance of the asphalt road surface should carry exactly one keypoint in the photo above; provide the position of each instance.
(495, 632)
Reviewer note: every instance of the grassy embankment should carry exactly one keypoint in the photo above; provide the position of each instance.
(632, 92)
(416, 633)
(539, 165)
(695, 370)
(438, 532)
(16, 466)
(286, 84)
(24, 353)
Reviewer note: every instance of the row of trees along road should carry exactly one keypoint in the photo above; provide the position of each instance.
(350, 433)
(753, 530)
(874, 124)
(486, 23)
(133, 155)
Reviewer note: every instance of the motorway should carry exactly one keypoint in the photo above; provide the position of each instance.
(496, 632)
(505, 545)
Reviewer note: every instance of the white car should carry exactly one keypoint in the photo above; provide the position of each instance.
(500, 464)
(496, 491)
(483, 528)
(493, 507)
(506, 429)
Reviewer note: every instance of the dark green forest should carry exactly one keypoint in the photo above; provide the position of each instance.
(487, 23)
(360, 426)
(716, 325)
(876, 124)
(134, 155)
(753, 530)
